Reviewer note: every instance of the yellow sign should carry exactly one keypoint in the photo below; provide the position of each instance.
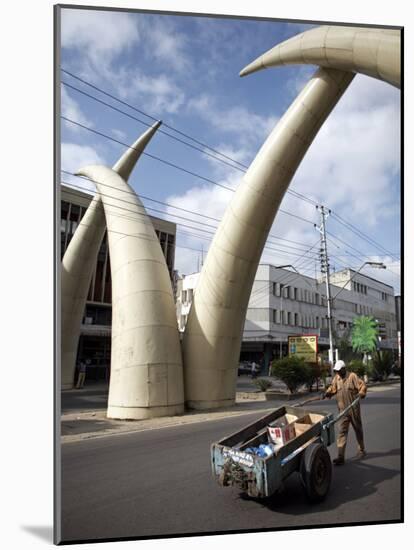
(305, 347)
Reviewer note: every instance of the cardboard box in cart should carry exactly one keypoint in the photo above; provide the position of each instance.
(306, 422)
(282, 430)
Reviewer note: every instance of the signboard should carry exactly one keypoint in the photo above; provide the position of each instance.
(305, 347)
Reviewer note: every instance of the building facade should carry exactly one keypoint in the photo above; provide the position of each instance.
(95, 340)
(284, 303)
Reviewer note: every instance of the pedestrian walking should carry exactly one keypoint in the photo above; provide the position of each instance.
(346, 386)
(81, 375)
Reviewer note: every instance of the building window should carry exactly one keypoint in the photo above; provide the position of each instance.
(278, 289)
(184, 296)
(296, 320)
(289, 318)
(276, 316)
(295, 293)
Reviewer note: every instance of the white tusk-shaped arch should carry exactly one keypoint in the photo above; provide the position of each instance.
(371, 51)
(79, 261)
(146, 365)
(212, 338)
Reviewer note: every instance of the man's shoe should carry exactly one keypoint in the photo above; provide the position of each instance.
(339, 461)
(361, 454)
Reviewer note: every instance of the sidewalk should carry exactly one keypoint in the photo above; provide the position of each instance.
(84, 411)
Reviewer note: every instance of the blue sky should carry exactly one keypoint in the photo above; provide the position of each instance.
(184, 71)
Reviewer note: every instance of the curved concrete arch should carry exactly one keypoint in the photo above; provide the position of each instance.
(374, 52)
(79, 261)
(212, 338)
(146, 364)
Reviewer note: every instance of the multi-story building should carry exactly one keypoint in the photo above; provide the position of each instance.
(370, 297)
(95, 339)
(284, 303)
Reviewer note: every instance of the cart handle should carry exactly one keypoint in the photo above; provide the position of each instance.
(317, 398)
(342, 413)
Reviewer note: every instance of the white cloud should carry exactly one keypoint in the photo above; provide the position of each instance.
(245, 130)
(71, 109)
(207, 200)
(165, 43)
(103, 41)
(99, 35)
(237, 120)
(160, 93)
(352, 162)
(74, 157)
(119, 134)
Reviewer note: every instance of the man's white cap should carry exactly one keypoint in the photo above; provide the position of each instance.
(339, 365)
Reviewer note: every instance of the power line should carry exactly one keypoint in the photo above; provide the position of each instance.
(272, 236)
(348, 225)
(167, 162)
(149, 125)
(267, 247)
(243, 168)
(173, 165)
(360, 234)
(149, 116)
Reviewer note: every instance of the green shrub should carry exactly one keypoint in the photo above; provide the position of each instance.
(382, 362)
(318, 373)
(396, 368)
(357, 366)
(292, 371)
(263, 384)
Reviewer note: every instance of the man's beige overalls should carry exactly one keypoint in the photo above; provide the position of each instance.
(347, 390)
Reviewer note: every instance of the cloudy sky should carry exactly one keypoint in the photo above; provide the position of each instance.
(184, 71)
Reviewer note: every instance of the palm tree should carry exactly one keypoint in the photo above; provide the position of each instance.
(364, 335)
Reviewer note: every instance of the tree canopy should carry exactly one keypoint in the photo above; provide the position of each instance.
(364, 334)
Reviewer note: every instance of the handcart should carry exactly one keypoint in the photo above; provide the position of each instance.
(306, 453)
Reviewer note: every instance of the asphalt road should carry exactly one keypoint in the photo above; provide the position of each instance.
(159, 482)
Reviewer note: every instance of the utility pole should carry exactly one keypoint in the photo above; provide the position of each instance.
(325, 269)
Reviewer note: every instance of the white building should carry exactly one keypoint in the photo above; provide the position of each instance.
(284, 303)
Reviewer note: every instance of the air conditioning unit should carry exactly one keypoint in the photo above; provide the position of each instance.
(88, 320)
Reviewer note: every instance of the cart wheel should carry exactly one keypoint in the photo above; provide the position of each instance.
(316, 471)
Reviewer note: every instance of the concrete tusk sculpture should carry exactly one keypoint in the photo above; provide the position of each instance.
(146, 364)
(79, 261)
(374, 52)
(212, 339)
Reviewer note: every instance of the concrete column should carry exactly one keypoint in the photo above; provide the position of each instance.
(79, 261)
(146, 364)
(374, 52)
(213, 334)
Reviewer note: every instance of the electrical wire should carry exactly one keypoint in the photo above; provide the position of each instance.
(185, 210)
(241, 166)
(267, 247)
